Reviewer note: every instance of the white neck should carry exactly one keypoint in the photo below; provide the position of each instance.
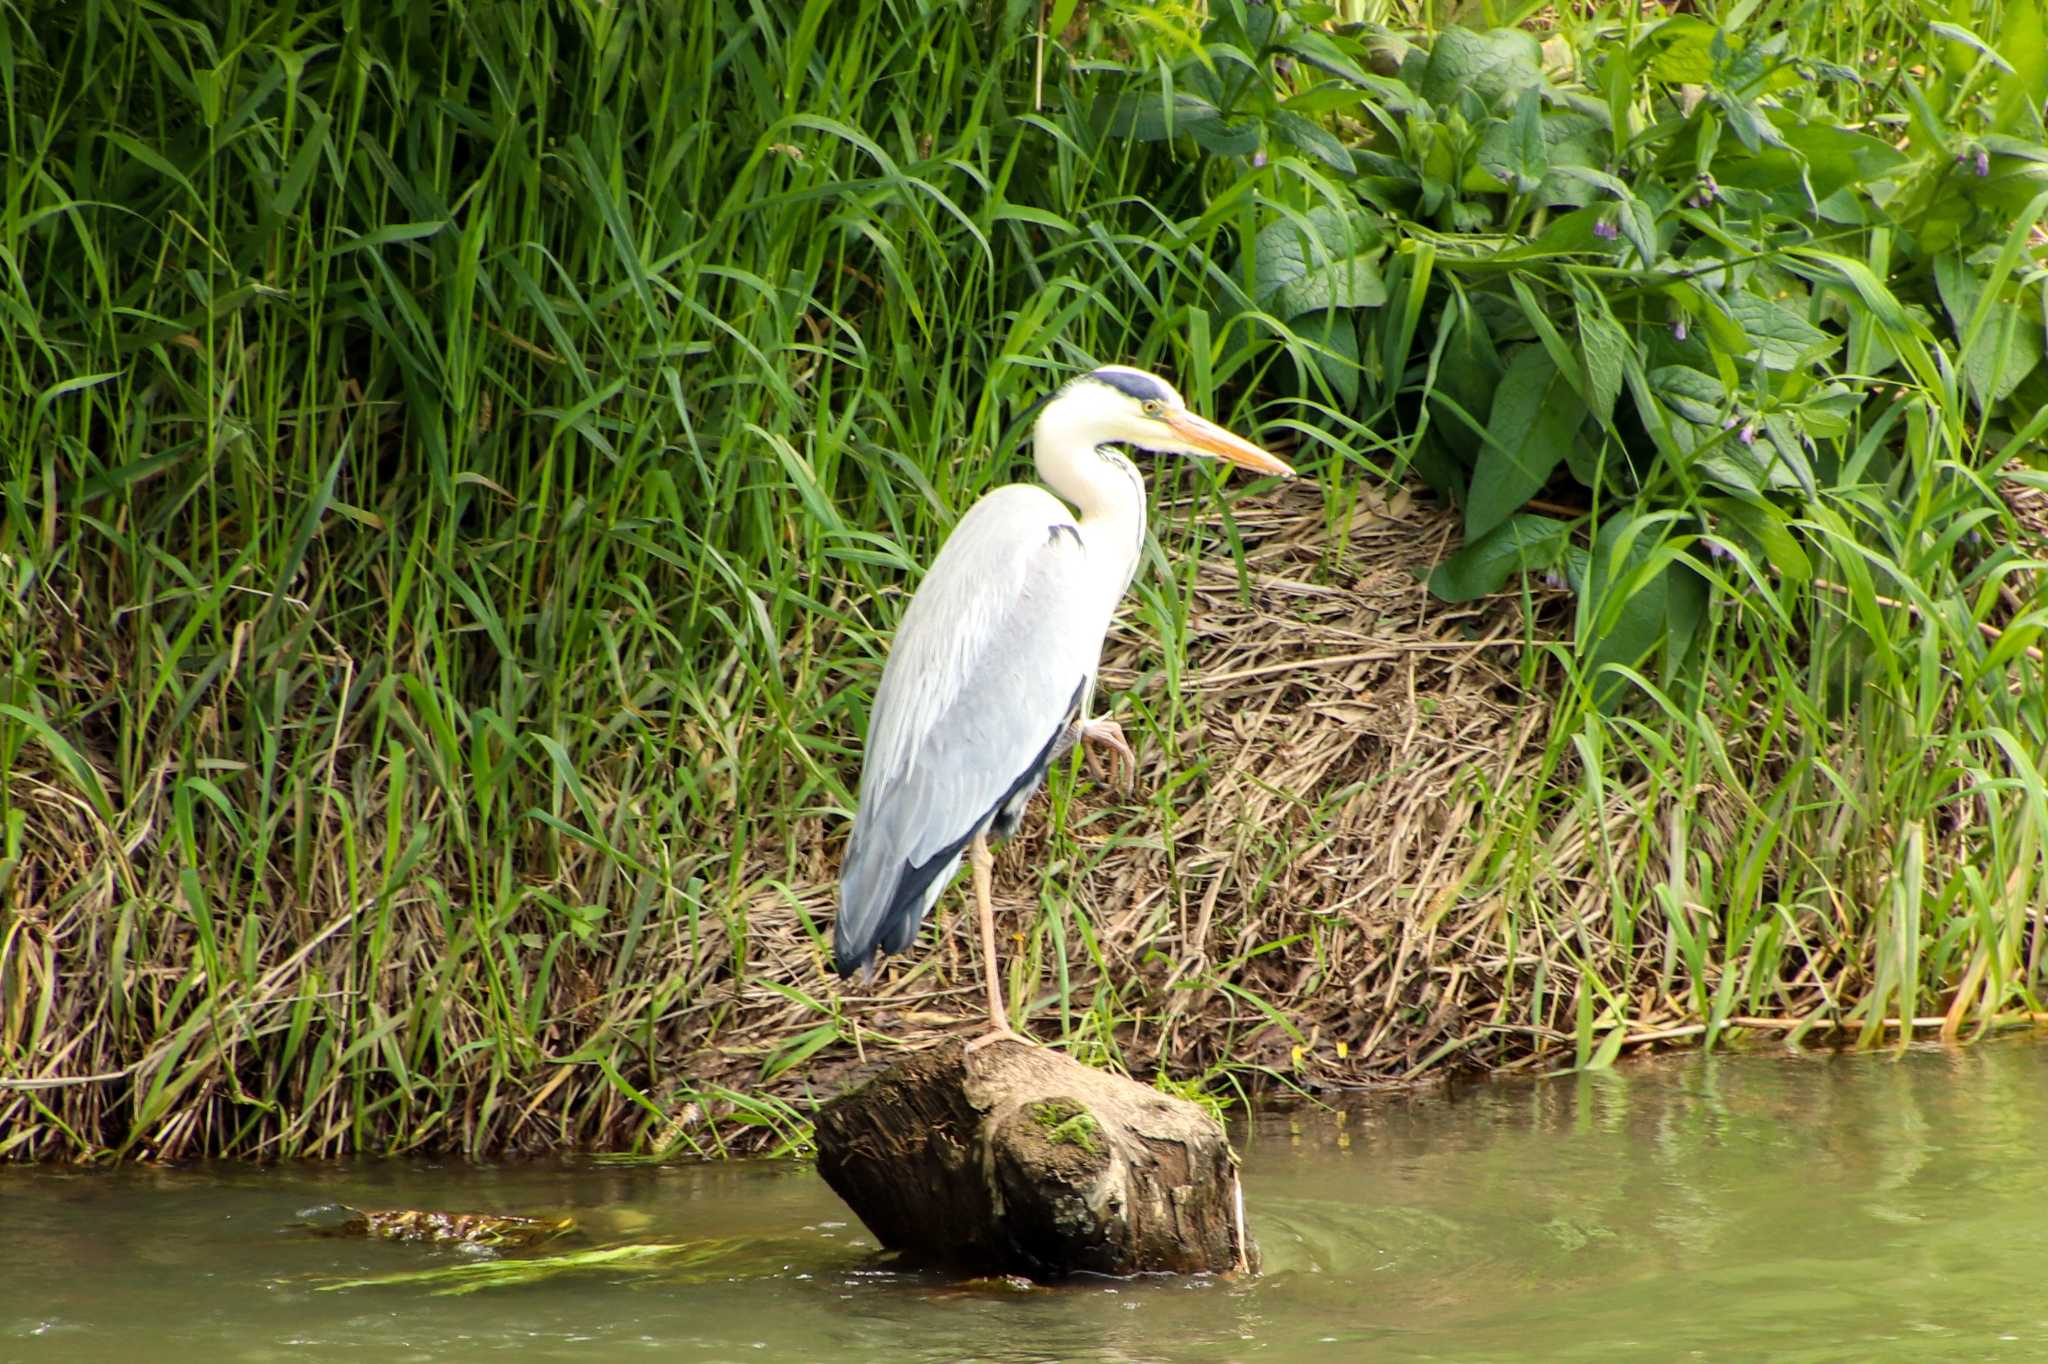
(1104, 487)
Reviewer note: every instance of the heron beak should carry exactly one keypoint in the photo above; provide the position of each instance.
(1211, 439)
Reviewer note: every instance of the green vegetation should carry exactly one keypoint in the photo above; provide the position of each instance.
(678, 1261)
(462, 465)
(1066, 1123)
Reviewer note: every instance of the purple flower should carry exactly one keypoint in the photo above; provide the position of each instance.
(1605, 230)
(1749, 434)
(1258, 158)
(1728, 422)
(1983, 163)
(1678, 329)
(1716, 550)
(1554, 580)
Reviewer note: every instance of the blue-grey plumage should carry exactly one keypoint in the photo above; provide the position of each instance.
(993, 665)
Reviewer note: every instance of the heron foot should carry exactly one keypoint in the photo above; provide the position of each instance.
(1001, 1032)
(1109, 735)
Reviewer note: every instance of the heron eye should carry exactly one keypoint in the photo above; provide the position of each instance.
(1153, 407)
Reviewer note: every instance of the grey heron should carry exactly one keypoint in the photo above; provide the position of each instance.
(989, 679)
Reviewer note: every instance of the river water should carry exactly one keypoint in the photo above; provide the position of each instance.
(1727, 1207)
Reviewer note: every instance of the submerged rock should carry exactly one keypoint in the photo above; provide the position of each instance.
(496, 1231)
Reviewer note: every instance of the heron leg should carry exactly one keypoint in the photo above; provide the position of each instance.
(982, 861)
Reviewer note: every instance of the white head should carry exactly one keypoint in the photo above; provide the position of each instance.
(1116, 405)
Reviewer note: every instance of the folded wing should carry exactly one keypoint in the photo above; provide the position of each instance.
(992, 661)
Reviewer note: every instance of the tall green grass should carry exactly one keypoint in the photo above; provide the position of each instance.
(463, 464)
(460, 463)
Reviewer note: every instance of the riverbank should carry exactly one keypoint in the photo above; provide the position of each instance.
(1305, 887)
(463, 469)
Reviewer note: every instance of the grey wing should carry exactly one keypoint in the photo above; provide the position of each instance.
(992, 661)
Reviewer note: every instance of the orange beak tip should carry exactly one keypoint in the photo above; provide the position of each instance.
(1212, 439)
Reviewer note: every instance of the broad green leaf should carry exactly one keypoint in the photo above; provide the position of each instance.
(2007, 347)
(1708, 311)
(1313, 138)
(1327, 98)
(1519, 544)
(1470, 370)
(1639, 228)
(1150, 116)
(1442, 468)
(1573, 138)
(1785, 441)
(1837, 158)
(1327, 259)
(1877, 300)
(1690, 393)
(1680, 51)
(1387, 169)
(1534, 421)
(1782, 339)
(1815, 163)
(1692, 408)
(1496, 66)
(1744, 454)
(1223, 61)
(1604, 347)
(1261, 26)
(2023, 38)
(1569, 234)
(1828, 410)
(1512, 150)
(1685, 610)
(1219, 138)
(1734, 466)
(1764, 527)
(1750, 124)
(1598, 179)
(1529, 148)
(1666, 607)
(1473, 215)
(1320, 50)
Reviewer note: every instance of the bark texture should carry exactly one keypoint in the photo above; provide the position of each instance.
(1013, 1159)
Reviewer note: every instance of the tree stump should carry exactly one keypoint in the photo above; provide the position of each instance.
(1016, 1160)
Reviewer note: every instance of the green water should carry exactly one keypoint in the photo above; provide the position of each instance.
(1722, 1208)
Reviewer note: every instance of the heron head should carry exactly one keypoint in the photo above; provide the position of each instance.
(1117, 405)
